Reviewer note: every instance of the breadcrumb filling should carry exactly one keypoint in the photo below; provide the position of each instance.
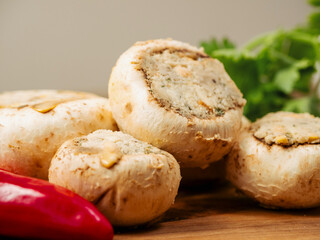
(287, 129)
(96, 142)
(189, 83)
(40, 100)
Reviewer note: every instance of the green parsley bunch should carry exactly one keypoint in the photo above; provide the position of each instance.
(277, 71)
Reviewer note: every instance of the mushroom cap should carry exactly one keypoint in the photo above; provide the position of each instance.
(197, 130)
(131, 182)
(213, 174)
(33, 124)
(270, 170)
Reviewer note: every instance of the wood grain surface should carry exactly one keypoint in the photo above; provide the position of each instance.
(222, 213)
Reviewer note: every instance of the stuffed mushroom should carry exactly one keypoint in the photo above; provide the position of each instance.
(277, 161)
(33, 125)
(213, 174)
(131, 182)
(176, 97)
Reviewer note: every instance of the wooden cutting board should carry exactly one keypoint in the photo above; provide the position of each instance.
(222, 213)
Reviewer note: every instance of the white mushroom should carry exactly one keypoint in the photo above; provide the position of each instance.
(131, 182)
(33, 124)
(177, 98)
(212, 174)
(277, 161)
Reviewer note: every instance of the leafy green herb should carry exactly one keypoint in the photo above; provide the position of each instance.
(314, 20)
(314, 2)
(214, 44)
(147, 150)
(279, 70)
(219, 111)
(285, 79)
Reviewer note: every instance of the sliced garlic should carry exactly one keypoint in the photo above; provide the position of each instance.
(282, 140)
(313, 138)
(43, 105)
(110, 155)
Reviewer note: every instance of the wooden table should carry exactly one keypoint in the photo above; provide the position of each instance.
(222, 213)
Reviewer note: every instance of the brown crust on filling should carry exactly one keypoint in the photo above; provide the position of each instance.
(193, 55)
(283, 146)
(286, 129)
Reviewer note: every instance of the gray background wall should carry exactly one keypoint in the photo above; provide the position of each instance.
(73, 44)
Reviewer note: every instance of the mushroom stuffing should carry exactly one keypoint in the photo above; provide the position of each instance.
(131, 182)
(277, 161)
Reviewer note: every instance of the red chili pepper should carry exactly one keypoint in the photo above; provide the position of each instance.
(36, 209)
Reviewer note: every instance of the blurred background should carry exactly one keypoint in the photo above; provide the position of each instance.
(74, 44)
